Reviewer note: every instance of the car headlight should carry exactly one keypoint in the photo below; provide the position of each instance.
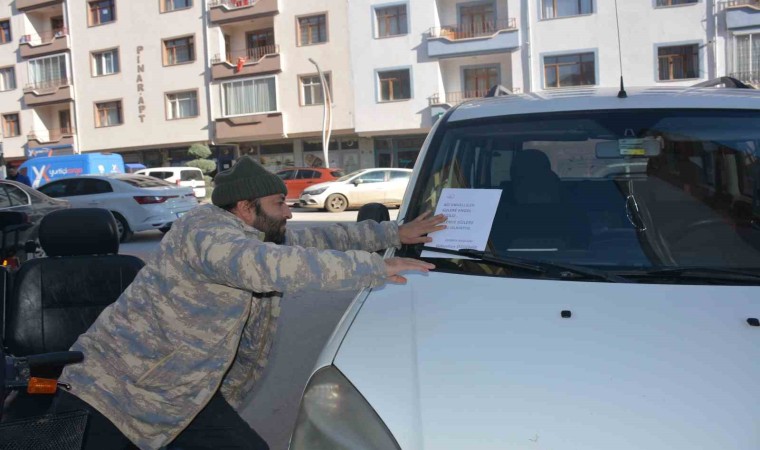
(335, 416)
(315, 191)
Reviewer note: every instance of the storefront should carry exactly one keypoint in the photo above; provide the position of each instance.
(397, 151)
(343, 154)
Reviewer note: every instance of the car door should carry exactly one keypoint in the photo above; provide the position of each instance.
(306, 178)
(366, 188)
(398, 180)
(94, 193)
(289, 177)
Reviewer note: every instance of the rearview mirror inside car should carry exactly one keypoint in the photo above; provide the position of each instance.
(357, 182)
(629, 147)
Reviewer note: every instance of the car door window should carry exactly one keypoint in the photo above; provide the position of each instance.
(55, 189)
(5, 201)
(398, 174)
(17, 196)
(308, 174)
(287, 174)
(373, 177)
(91, 186)
(191, 175)
(160, 174)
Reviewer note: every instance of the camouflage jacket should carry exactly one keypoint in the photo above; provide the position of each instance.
(202, 313)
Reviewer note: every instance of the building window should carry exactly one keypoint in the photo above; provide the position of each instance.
(395, 85)
(178, 51)
(7, 79)
(252, 96)
(312, 30)
(675, 2)
(105, 63)
(101, 11)
(678, 62)
(391, 21)
(11, 126)
(478, 80)
(181, 105)
(173, 5)
(48, 72)
(311, 89)
(747, 57)
(553, 9)
(476, 20)
(108, 114)
(570, 70)
(5, 31)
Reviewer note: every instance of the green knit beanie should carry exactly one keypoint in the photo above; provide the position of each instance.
(245, 180)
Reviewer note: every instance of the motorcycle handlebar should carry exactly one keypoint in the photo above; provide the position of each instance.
(54, 359)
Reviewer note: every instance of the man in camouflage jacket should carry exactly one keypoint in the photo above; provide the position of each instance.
(200, 317)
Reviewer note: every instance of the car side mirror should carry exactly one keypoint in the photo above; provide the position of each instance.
(357, 182)
(373, 211)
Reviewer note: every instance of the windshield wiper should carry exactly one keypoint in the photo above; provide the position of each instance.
(697, 272)
(542, 267)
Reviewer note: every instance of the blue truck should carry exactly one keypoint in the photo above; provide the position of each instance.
(42, 170)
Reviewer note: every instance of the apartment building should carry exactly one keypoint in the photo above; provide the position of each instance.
(147, 78)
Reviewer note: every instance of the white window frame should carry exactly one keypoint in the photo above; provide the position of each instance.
(32, 63)
(173, 104)
(8, 73)
(752, 35)
(165, 3)
(242, 80)
(313, 86)
(543, 16)
(98, 61)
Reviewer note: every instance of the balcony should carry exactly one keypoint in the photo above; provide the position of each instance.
(742, 13)
(46, 92)
(224, 11)
(752, 78)
(252, 127)
(26, 5)
(457, 40)
(252, 61)
(455, 98)
(33, 45)
(57, 136)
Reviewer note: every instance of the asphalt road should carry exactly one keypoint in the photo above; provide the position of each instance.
(306, 322)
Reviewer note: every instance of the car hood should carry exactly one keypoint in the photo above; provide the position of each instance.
(453, 361)
(326, 184)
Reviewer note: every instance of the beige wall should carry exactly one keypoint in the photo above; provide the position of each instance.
(10, 101)
(332, 56)
(138, 24)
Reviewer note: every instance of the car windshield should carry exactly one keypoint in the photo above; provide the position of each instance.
(351, 175)
(143, 181)
(633, 189)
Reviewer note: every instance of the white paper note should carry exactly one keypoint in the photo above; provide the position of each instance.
(470, 215)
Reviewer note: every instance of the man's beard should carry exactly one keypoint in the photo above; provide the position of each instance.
(274, 230)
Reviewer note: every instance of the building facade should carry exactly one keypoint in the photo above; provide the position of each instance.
(148, 78)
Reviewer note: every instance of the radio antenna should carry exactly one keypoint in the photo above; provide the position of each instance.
(621, 93)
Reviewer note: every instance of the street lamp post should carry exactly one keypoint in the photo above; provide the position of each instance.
(327, 113)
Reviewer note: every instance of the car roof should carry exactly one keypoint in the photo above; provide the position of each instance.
(321, 169)
(592, 98)
(169, 168)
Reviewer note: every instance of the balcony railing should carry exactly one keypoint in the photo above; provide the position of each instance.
(456, 32)
(752, 77)
(249, 54)
(44, 38)
(47, 84)
(232, 4)
(454, 98)
(51, 135)
(737, 3)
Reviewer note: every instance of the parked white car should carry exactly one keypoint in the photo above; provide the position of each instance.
(605, 309)
(181, 176)
(138, 202)
(358, 188)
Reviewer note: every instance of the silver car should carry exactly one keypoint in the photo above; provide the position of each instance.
(386, 186)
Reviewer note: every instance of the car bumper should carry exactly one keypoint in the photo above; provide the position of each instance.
(162, 217)
(311, 201)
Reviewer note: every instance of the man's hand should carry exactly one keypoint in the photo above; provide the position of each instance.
(394, 266)
(414, 232)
